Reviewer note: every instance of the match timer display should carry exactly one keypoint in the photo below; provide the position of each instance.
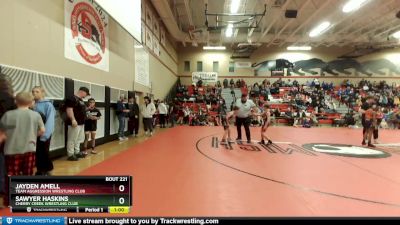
(87, 194)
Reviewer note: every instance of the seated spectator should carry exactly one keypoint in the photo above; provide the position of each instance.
(396, 101)
(277, 112)
(242, 83)
(306, 123)
(314, 119)
(350, 119)
(186, 112)
(180, 116)
(289, 83)
(225, 82)
(232, 83)
(200, 83)
(200, 98)
(238, 84)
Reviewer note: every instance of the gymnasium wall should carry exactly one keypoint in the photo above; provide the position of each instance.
(378, 66)
(33, 39)
(32, 53)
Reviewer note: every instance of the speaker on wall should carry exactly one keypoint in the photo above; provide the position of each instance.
(291, 13)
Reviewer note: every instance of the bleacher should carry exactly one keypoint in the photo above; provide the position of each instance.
(328, 118)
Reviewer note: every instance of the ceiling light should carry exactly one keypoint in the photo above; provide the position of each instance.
(396, 35)
(229, 31)
(353, 5)
(320, 29)
(235, 6)
(214, 48)
(299, 48)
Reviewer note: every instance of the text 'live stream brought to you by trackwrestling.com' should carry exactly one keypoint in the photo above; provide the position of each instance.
(103, 220)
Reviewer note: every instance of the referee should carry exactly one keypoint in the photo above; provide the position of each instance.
(243, 117)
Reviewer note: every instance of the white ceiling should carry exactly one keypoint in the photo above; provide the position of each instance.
(371, 25)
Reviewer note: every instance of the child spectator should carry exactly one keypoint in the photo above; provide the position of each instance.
(22, 127)
(45, 108)
(92, 115)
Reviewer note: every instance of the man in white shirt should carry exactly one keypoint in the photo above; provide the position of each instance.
(162, 111)
(317, 84)
(148, 110)
(244, 116)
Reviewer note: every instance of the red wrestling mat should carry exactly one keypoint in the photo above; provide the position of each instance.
(307, 172)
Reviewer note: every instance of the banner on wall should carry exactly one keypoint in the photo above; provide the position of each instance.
(142, 69)
(156, 29)
(149, 39)
(243, 64)
(156, 46)
(162, 36)
(149, 16)
(86, 33)
(206, 77)
(143, 33)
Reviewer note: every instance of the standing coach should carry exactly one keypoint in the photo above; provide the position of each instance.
(243, 117)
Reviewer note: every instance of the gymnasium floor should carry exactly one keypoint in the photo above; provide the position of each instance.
(185, 171)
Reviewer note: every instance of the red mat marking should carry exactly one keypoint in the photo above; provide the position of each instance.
(270, 158)
(171, 178)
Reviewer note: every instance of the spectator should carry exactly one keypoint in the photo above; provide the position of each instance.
(76, 113)
(295, 83)
(162, 111)
(396, 101)
(317, 84)
(46, 109)
(289, 83)
(181, 115)
(7, 103)
(306, 122)
(238, 83)
(314, 119)
(186, 112)
(92, 115)
(173, 112)
(148, 111)
(225, 83)
(256, 89)
(133, 122)
(156, 116)
(200, 83)
(232, 83)
(22, 127)
(219, 89)
(122, 111)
